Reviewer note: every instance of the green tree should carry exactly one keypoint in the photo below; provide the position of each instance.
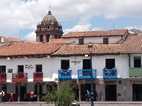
(63, 96)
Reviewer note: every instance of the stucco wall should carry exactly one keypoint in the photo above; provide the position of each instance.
(51, 65)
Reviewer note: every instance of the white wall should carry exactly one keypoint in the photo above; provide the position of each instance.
(121, 61)
(52, 65)
(94, 40)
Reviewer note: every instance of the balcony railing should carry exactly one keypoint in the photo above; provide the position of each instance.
(19, 77)
(110, 74)
(38, 77)
(64, 74)
(86, 74)
(135, 72)
(2, 78)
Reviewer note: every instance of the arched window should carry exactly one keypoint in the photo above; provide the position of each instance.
(41, 38)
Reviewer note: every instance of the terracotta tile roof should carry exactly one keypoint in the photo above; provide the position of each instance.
(96, 49)
(117, 32)
(57, 41)
(133, 44)
(10, 38)
(27, 48)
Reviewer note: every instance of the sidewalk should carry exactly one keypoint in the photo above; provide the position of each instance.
(81, 104)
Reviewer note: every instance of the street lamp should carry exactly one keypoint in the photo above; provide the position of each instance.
(90, 47)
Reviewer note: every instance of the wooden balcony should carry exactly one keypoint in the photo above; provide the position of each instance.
(38, 77)
(64, 74)
(110, 74)
(86, 74)
(19, 77)
(2, 78)
(135, 72)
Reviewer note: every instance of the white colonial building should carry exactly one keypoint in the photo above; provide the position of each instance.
(110, 60)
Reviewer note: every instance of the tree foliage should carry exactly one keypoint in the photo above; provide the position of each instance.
(63, 96)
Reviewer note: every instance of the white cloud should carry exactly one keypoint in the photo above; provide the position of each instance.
(75, 28)
(26, 14)
(30, 36)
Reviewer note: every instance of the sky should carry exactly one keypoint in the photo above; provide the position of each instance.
(20, 17)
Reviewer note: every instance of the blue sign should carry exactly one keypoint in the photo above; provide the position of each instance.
(64, 74)
(86, 74)
(110, 74)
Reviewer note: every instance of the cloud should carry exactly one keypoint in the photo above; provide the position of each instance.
(75, 28)
(26, 14)
(30, 36)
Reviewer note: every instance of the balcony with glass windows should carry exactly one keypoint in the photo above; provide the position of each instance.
(86, 74)
(19, 77)
(110, 74)
(64, 74)
(38, 77)
(135, 72)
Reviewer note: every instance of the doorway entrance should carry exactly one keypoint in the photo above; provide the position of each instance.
(21, 91)
(86, 92)
(38, 91)
(137, 92)
(110, 92)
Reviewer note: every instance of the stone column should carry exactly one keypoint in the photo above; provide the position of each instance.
(79, 90)
(124, 90)
(100, 90)
(44, 38)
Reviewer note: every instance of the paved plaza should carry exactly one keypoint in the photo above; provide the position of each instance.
(81, 104)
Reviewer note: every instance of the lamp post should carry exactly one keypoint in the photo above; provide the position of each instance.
(90, 47)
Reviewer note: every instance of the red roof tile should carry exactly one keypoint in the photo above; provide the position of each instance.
(27, 48)
(117, 32)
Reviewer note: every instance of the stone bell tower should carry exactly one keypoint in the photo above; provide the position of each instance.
(49, 28)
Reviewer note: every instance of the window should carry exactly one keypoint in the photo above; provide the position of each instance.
(10, 70)
(20, 68)
(41, 38)
(137, 61)
(81, 40)
(2, 69)
(87, 64)
(105, 41)
(65, 64)
(39, 68)
(110, 63)
(47, 38)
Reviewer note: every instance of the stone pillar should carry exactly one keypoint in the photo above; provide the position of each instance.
(100, 90)
(44, 38)
(44, 88)
(124, 90)
(37, 38)
(11, 88)
(79, 90)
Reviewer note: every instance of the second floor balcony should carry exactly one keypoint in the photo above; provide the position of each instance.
(2, 78)
(87, 74)
(110, 74)
(64, 74)
(38, 77)
(19, 77)
(135, 72)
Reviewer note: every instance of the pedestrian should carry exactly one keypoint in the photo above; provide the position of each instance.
(2, 94)
(11, 97)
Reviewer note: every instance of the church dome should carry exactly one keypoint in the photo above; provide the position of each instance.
(49, 28)
(49, 19)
